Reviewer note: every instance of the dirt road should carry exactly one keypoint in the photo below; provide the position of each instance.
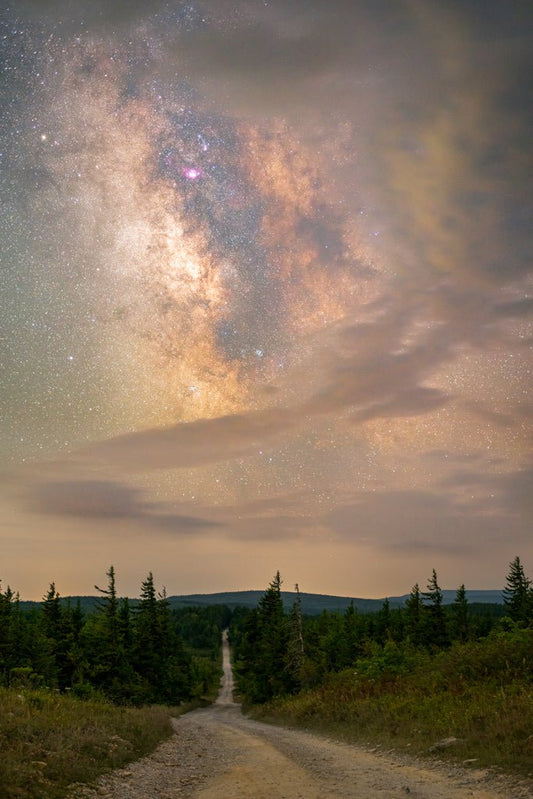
(219, 754)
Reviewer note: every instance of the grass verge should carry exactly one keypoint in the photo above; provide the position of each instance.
(485, 705)
(49, 741)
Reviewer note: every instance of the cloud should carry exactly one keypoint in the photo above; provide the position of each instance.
(413, 520)
(87, 498)
(101, 501)
(415, 402)
(195, 443)
(379, 368)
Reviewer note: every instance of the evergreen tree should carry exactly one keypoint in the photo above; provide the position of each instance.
(6, 644)
(51, 609)
(272, 676)
(147, 658)
(51, 627)
(125, 627)
(295, 644)
(436, 635)
(264, 650)
(460, 616)
(414, 620)
(350, 644)
(111, 671)
(384, 623)
(176, 667)
(517, 595)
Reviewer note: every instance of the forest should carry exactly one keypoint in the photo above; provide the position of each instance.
(453, 681)
(108, 675)
(132, 652)
(278, 653)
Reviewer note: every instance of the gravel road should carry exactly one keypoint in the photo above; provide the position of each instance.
(217, 753)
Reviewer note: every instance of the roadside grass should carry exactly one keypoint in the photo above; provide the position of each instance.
(50, 741)
(480, 694)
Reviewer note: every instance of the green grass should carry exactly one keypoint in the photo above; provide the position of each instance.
(481, 694)
(49, 741)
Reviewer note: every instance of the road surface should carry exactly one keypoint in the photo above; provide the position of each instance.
(217, 753)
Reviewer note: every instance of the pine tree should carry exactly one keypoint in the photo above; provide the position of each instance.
(517, 595)
(295, 643)
(264, 650)
(51, 609)
(108, 607)
(384, 622)
(413, 612)
(147, 658)
(111, 671)
(353, 634)
(7, 654)
(460, 615)
(176, 667)
(436, 635)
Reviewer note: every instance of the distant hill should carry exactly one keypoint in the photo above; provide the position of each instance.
(312, 604)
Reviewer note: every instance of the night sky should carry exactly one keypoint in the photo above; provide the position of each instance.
(267, 294)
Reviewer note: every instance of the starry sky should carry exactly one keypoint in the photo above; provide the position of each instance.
(267, 294)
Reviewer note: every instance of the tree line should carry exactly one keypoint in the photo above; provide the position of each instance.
(278, 653)
(133, 652)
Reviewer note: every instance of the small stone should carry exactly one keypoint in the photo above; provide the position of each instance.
(445, 743)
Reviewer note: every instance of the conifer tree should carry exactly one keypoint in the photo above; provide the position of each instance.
(517, 595)
(295, 643)
(436, 635)
(51, 609)
(108, 607)
(384, 622)
(460, 615)
(351, 644)
(111, 671)
(176, 667)
(147, 640)
(6, 639)
(264, 651)
(413, 612)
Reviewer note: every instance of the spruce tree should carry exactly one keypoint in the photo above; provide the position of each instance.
(350, 646)
(147, 654)
(517, 595)
(264, 650)
(436, 635)
(7, 658)
(413, 612)
(384, 622)
(460, 615)
(295, 643)
(111, 671)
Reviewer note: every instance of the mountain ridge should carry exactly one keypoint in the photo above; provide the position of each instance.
(312, 604)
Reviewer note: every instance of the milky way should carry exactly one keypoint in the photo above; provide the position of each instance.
(199, 244)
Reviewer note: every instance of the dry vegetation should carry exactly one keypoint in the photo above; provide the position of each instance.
(477, 693)
(50, 741)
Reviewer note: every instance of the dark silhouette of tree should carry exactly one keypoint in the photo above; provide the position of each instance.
(111, 670)
(517, 595)
(351, 637)
(263, 652)
(295, 642)
(384, 623)
(435, 632)
(147, 638)
(7, 661)
(413, 613)
(460, 616)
